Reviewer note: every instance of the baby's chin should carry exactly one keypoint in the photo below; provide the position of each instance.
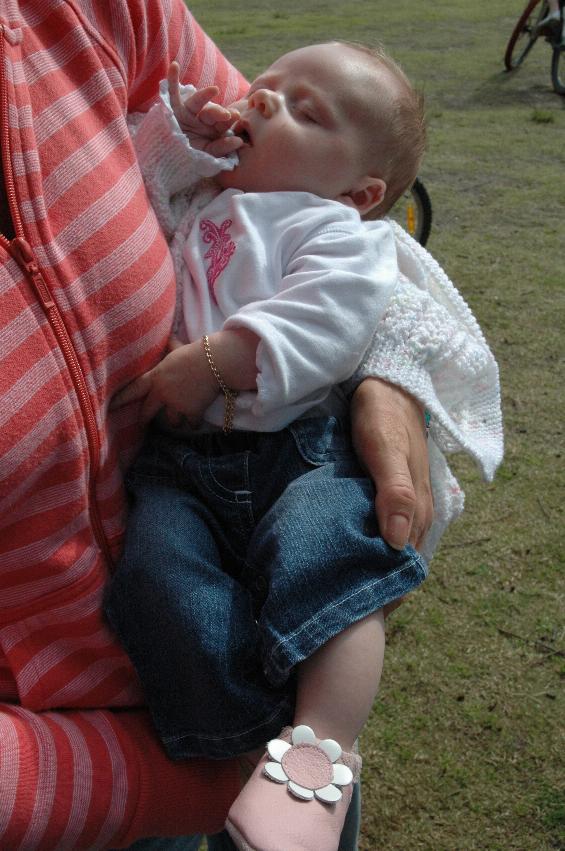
(225, 178)
(230, 179)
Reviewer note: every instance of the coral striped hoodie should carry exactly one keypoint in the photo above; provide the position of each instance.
(86, 295)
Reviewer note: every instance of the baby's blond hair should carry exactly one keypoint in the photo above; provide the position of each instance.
(395, 145)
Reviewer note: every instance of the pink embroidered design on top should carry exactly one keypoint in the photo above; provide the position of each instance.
(220, 252)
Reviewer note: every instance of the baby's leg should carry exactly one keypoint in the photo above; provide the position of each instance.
(338, 683)
(329, 575)
(336, 688)
(186, 623)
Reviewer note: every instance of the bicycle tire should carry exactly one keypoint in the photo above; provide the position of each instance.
(524, 35)
(413, 212)
(558, 69)
(421, 226)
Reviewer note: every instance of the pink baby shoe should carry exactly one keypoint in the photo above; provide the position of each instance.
(304, 808)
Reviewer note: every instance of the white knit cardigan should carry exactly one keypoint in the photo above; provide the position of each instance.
(428, 342)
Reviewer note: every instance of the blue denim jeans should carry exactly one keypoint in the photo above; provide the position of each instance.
(244, 554)
(222, 842)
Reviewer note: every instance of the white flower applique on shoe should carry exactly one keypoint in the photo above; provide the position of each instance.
(308, 766)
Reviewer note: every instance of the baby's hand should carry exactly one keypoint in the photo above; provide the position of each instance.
(205, 123)
(181, 383)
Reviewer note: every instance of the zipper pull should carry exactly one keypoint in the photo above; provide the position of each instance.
(22, 253)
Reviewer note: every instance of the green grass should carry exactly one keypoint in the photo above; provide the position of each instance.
(464, 748)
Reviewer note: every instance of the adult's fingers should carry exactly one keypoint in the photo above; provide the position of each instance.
(150, 408)
(174, 343)
(395, 501)
(174, 418)
(420, 474)
(135, 390)
(389, 436)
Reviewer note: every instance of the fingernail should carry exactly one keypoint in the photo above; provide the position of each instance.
(397, 529)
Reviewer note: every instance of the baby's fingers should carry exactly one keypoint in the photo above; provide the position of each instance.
(224, 145)
(173, 79)
(200, 105)
(192, 104)
(216, 116)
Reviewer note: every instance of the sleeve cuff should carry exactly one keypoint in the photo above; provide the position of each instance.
(174, 798)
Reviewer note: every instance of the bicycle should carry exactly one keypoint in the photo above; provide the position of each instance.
(413, 211)
(526, 33)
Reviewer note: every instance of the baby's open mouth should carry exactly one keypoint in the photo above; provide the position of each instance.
(242, 131)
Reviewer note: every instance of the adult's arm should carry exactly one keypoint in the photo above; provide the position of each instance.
(91, 778)
(428, 352)
(143, 38)
(99, 779)
(389, 436)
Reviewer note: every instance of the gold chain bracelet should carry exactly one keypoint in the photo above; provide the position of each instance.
(230, 395)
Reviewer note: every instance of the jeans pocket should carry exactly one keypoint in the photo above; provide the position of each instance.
(321, 440)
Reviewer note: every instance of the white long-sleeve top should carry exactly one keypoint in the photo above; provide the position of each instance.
(304, 274)
(427, 341)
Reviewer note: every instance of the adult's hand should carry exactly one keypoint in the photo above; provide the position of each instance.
(390, 438)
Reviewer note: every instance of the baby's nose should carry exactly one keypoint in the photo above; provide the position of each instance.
(265, 101)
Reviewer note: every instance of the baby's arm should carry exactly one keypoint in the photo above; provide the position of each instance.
(316, 325)
(171, 166)
(204, 122)
(183, 382)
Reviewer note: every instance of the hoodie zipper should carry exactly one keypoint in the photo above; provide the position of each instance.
(21, 251)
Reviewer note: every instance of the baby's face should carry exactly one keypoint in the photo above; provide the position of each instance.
(304, 124)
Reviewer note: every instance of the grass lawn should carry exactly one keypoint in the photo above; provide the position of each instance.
(464, 748)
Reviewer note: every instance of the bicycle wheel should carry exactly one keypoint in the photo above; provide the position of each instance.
(525, 33)
(558, 69)
(413, 211)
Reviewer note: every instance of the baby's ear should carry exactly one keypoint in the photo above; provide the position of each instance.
(368, 193)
